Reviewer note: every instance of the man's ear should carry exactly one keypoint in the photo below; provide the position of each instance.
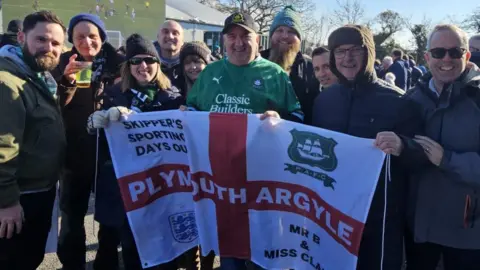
(21, 37)
(468, 55)
(426, 56)
(258, 39)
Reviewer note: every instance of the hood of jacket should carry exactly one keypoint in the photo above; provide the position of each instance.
(13, 54)
(356, 35)
(16, 65)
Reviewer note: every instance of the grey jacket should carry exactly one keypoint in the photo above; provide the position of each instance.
(445, 201)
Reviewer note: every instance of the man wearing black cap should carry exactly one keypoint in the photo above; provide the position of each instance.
(244, 83)
(239, 77)
(84, 71)
(10, 37)
(364, 106)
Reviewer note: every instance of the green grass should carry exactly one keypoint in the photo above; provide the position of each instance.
(146, 20)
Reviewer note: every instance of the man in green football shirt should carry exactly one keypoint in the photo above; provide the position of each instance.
(244, 82)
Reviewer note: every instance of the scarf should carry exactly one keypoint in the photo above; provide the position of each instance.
(169, 63)
(144, 98)
(105, 68)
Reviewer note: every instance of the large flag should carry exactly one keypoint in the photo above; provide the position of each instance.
(281, 194)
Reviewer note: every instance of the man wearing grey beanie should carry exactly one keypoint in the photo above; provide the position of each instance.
(285, 37)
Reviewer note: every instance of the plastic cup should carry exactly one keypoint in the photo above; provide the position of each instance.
(84, 76)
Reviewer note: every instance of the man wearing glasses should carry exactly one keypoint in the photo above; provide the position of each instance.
(364, 106)
(444, 210)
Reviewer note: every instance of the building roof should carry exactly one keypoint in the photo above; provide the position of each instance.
(191, 10)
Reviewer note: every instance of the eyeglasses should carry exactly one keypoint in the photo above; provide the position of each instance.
(455, 53)
(354, 51)
(138, 60)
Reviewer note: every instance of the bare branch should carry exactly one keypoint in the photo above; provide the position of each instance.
(263, 11)
(316, 30)
(348, 12)
(473, 21)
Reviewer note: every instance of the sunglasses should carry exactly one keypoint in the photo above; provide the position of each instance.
(138, 60)
(455, 53)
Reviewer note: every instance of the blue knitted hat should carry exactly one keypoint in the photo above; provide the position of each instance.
(88, 18)
(287, 17)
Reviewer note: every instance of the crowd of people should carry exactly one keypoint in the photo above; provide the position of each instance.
(51, 122)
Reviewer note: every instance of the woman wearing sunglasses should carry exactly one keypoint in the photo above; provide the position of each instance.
(143, 88)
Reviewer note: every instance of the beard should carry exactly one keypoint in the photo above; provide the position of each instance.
(284, 57)
(40, 61)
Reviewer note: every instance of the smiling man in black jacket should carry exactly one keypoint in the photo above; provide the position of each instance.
(364, 106)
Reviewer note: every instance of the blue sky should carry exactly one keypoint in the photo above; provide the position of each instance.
(437, 10)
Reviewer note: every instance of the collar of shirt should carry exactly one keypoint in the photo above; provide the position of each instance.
(432, 87)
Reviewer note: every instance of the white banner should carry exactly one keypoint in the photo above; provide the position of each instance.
(281, 194)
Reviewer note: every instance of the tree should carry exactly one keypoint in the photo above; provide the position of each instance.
(210, 3)
(263, 11)
(473, 21)
(316, 31)
(420, 36)
(453, 19)
(348, 12)
(387, 48)
(389, 22)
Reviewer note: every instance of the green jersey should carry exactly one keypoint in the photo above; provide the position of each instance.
(254, 88)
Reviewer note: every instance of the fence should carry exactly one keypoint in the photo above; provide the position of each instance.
(115, 38)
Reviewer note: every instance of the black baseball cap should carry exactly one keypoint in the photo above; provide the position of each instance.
(241, 19)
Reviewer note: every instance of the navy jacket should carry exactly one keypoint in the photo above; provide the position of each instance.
(416, 75)
(400, 71)
(364, 111)
(363, 107)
